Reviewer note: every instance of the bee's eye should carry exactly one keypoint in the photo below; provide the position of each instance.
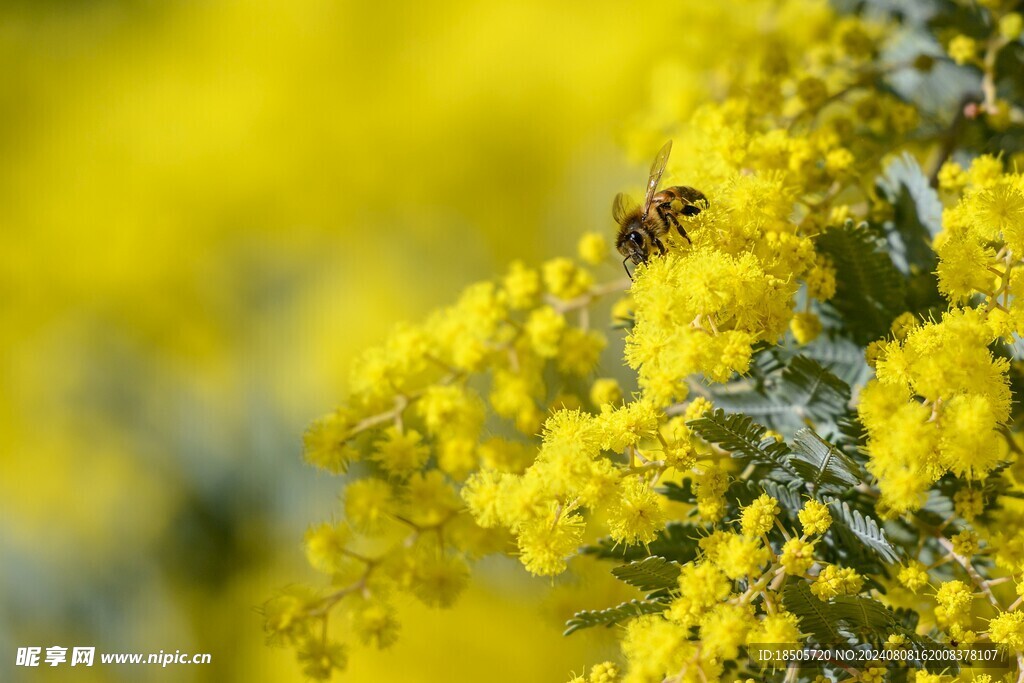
(636, 239)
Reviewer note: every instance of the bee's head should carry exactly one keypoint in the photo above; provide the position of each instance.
(632, 244)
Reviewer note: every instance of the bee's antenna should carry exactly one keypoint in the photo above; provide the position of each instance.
(627, 268)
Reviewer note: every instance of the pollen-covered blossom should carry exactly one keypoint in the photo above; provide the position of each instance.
(805, 327)
(797, 557)
(724, 629)
(593, 248)
(635, 515)
(628, 425)
(522, 286)
(545, 543)
(739, 556)
(1011, 25)
(565, 279)
(605, 672)
(429, 499)
(983, 236)
(450, 410)
(965, 543)
(952, 177)
(285, 616)
(937, 406)
(969, 503)
(483, 494)
(544, 330)
(605, 391)
(369, 503)
(375, 623)
(962, 49)
(873, 674)
(834, 580)
(710, 487)
(654, 646)
(701, 586)
(438, 580)
(401, 452)
(464, 331)
(701, 312)
(697, 408)
(579, 351)
(325, 546)
(954, 600)
(759, 516)
(680, 454)
(1008, 629)
(914, 576)
(319, 658)
(815, 517)
(781, 627)
(325, 443)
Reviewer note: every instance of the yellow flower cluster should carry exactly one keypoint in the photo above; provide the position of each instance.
(982, 238)
(726, 618)
(415, 421)
(936, 406)
(542, 506)
(489, 428)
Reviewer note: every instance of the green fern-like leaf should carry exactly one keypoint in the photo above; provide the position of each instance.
(740, 435)
(837, 619)
(839, 356)
(785, 387)
(917, 210)
(869, 288)
(812, 390)
(612, 615)
(864, 619)
(821, 464)
(865, 616)
(815, 616)
(853, 527)
(680, 493)
(649, 574)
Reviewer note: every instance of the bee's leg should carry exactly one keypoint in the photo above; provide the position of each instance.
(668, 216)
(665, 214)
(659, 245)
(627, 268)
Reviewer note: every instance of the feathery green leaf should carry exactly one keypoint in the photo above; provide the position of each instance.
(813, 390)
(612, 615)
(853, 527)
(822, 464)
(869, 288)
(833, 621)
(740, 435)
(649, 574)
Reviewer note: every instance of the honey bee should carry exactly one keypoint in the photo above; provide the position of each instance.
(641, 228)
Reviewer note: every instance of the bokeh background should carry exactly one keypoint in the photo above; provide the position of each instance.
(206, 208)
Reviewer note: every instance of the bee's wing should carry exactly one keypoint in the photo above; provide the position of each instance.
(622, 207)
(657, 168)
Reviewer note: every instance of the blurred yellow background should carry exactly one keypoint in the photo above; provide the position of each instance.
(205, 209)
